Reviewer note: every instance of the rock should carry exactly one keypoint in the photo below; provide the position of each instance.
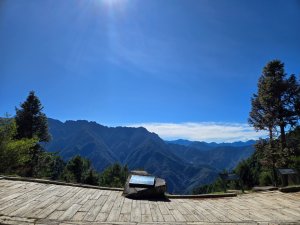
(290, 189)
(264, 188)
(145, 191)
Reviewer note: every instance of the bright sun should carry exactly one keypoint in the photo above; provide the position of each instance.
(113, 2)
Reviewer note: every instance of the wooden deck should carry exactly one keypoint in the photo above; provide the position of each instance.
(36, 203)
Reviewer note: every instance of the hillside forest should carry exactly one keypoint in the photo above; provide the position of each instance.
(22, 152)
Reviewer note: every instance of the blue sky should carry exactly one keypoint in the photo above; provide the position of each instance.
(167, 65)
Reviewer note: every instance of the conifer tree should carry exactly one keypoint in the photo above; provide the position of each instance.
(274, 107)
(31, 121)
(275, 104)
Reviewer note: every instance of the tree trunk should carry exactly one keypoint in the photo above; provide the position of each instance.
(271, 136)
(275, 175)
(282, 137)
(273, 157)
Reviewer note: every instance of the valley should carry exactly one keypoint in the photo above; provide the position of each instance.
(184, 166)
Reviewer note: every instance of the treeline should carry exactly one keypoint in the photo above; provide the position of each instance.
(275, 109)
(22, 153)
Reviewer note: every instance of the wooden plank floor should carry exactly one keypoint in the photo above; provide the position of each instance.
(36, 203)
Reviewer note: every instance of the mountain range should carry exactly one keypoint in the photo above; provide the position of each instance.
(184, 164)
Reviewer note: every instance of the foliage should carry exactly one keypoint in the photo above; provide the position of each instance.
(31, 121)
(249, 170)
(14, 154)
(77, 169)
(114, 176)
(217, 186)
(275, 104)
(265, 178)
(92, 177)
(51, 166)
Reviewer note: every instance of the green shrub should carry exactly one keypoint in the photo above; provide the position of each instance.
(265, 178)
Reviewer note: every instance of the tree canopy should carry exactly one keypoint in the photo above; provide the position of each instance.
(31, 121)
(275, 104)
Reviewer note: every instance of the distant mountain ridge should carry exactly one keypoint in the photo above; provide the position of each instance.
(219, 155)
(138, 148)
(209, 145)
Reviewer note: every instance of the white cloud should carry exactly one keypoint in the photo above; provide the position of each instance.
(204, 131)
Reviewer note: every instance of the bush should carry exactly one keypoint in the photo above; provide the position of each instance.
(265, 178)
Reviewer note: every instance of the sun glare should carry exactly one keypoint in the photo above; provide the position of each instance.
(113, 2)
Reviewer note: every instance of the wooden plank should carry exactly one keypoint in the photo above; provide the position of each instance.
(39, 206)
(109, 203)
(278, 215)
(55, 215)
(177, 215)
(145, 208)
(146, 218)
(84, 198)
(101, 217)
(136, 214)
(101, 200)
(69, 213)
(10, 197)
(78, 216)
(155, 212)
(92, 213)
(126, 208)
(70, 201)
(192, 207)
(48, 210)
(10, 203)
(114, 215)
(288, 214)
(12, 208)
(294, 211)
(125, 217)
(179, 206)
(216, 211)
(97, 194)
(63, 190)
(66, 197)
(116, 209)
(86, 207)
(163, 209)
(204, 215)
(169, 218)
(190, 218)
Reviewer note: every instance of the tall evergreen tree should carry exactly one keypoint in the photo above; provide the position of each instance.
(275, 104)
(274, 107)
(31, 121)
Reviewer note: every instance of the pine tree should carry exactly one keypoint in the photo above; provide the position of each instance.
(275, 104)
(275, 107)
(31, 121)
